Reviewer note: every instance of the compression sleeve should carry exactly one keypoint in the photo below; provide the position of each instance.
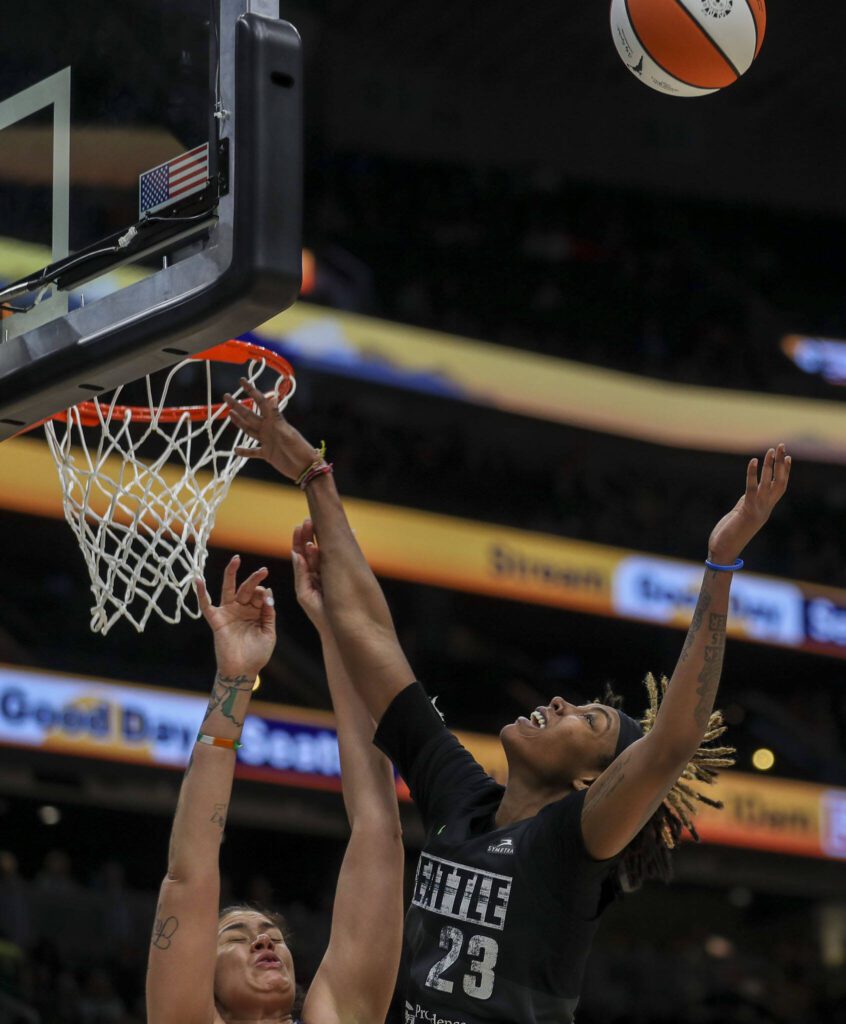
(436, 767)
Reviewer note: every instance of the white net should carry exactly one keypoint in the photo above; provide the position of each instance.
(142, 485)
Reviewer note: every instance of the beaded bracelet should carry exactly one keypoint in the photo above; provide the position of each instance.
(321, 454)
(319, 470)
(725, 568)
(218, 741)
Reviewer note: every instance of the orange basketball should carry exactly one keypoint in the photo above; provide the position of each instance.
(688, 47)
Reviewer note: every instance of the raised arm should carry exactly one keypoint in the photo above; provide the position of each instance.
(355, 605)
(356, 978)
(620, 802)
(180, 978)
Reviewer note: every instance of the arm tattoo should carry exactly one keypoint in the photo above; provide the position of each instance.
(702, 606)
(224, 694)
(607, 783)
(163, 931)
(712, 668)
(219, 816)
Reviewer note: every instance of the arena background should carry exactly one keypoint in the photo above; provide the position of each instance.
(548, 315)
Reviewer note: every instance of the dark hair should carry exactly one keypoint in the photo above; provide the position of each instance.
(281, 924)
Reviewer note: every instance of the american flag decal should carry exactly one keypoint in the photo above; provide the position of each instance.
(174, 180)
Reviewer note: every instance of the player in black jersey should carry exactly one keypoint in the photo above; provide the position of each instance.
(206, 968)
(512, 880)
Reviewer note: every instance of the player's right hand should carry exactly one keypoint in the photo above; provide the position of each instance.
(280, 444)
(243, 624)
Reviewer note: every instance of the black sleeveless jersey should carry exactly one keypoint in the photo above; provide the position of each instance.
(501, 920)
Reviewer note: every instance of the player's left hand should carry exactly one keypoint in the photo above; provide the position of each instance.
(243, 624)
(734, 531)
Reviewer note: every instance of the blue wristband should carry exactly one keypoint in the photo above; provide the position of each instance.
(725, 568)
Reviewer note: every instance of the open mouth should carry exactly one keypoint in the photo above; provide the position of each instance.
(538, 718)
(268, 960)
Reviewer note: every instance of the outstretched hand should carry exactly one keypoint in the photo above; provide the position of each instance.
(280, 444)
(305, 555)
(734, 531)
(244, 623)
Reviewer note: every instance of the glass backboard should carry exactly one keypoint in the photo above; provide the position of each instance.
(142, 146)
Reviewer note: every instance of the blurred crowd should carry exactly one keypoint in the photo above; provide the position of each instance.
(75, 953)
(669, 287)
(406, 450)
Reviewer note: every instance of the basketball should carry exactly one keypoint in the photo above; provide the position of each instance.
(688, 47)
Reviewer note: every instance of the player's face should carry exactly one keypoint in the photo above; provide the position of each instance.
(254, 975)
(562, 741)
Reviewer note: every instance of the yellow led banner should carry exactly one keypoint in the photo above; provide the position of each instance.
(530, 384)
(403, 543)
(481, 558)
(776, 814)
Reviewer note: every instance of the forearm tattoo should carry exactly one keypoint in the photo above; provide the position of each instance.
(712, 668)
(224, 695)
(702, 606)
(219, 816)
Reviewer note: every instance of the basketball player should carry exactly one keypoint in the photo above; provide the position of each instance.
(512, 880)
(211, 969)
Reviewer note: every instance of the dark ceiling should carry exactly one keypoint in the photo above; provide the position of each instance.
(540, 83)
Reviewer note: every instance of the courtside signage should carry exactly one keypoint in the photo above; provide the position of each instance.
(779, 815)
(118, 722)
(659, 590)
(296, 746)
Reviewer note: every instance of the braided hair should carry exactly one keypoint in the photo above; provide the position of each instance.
(649, 854)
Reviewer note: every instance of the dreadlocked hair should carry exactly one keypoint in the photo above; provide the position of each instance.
(649, 854)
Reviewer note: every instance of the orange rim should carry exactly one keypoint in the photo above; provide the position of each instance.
(91, 413)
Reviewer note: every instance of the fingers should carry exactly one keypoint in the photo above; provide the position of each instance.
(767, 471)
(202, 595)
(312, 555)
(241, 416)
(297, 544)
(268, 613)
(774, 475)
(311, 551)
(781, 471)
(230, 573)
(752, 476)
(298, 561)
(264, 403)
(250, 453)
(247, 592)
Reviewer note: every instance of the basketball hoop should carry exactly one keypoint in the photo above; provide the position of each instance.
(141, 495)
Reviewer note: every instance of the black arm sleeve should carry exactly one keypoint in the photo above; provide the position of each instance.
(437, 769)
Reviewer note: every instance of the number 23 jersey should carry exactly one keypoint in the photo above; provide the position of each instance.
(501, 919)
